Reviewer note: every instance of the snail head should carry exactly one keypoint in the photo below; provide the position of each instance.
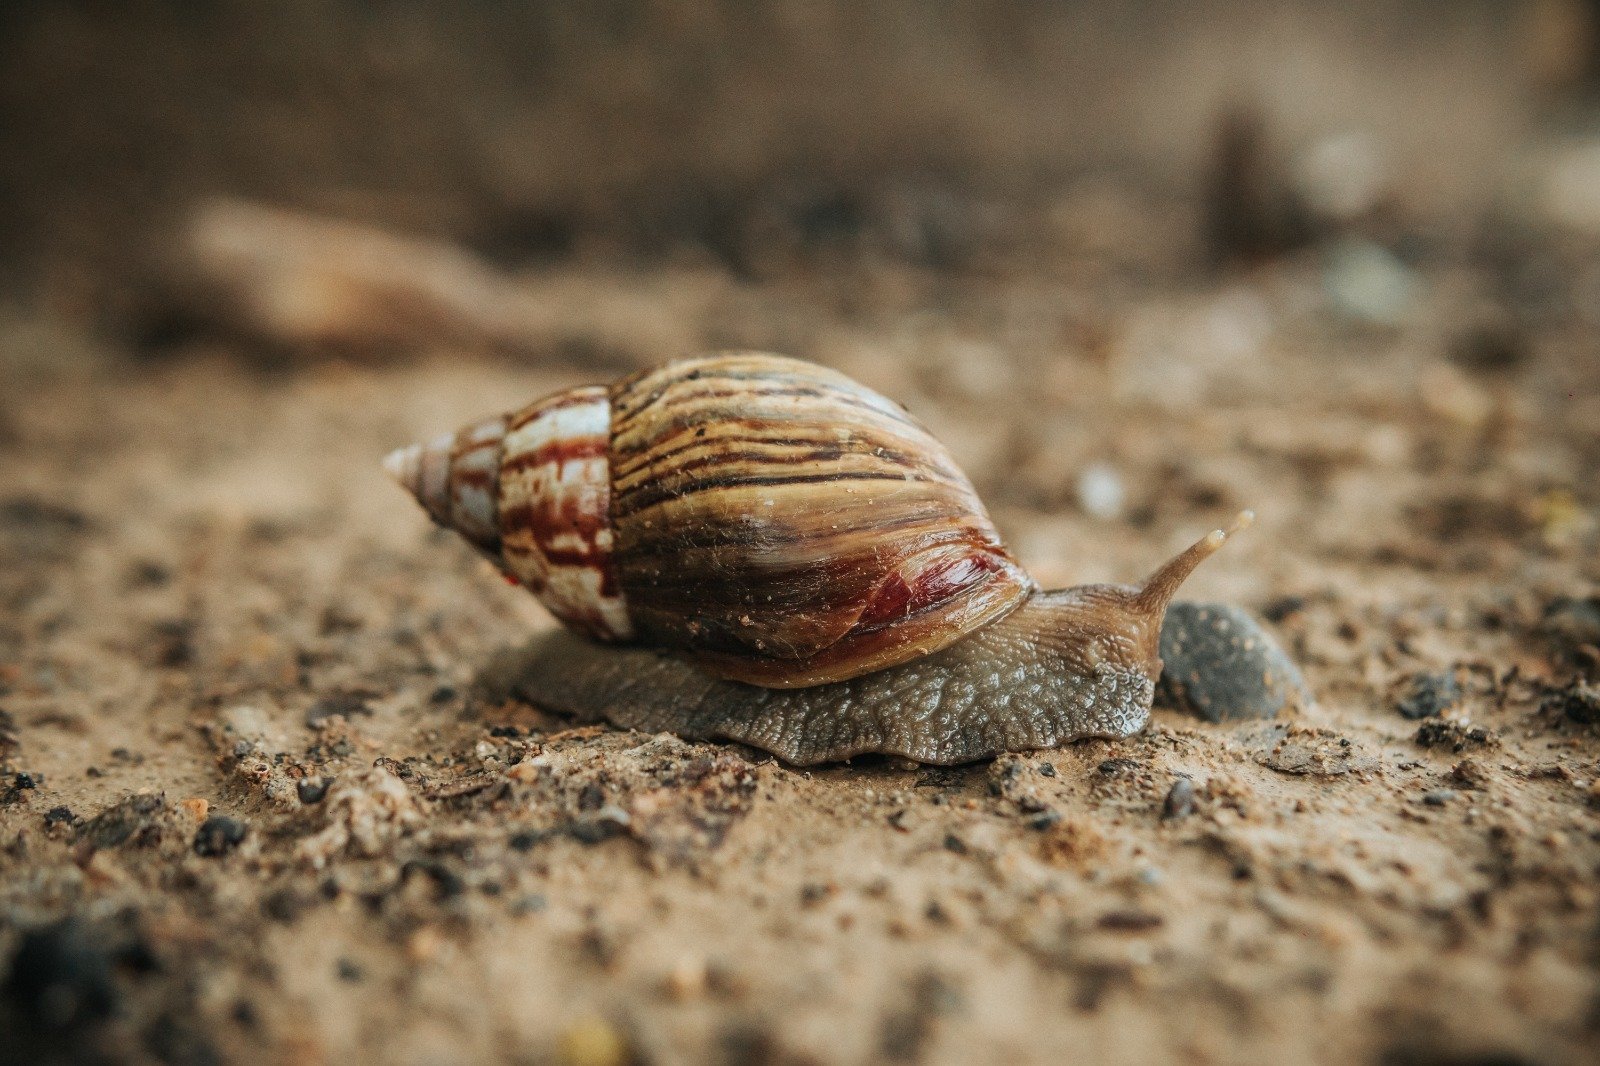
(1118, 627)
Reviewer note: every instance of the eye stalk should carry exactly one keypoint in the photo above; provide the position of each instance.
(1160, 586)
(1118, 627)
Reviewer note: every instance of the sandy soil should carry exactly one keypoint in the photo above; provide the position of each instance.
(212, 603)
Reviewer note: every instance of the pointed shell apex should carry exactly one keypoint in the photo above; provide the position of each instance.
(402, 465)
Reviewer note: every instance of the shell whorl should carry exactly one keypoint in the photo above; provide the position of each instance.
(788, 527)
(555, 510)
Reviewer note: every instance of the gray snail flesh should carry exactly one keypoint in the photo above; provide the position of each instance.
(758, 549)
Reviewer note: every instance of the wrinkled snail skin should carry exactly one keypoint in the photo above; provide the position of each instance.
(1019, 684)
(763, 550)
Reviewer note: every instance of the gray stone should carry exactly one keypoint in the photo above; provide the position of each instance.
(1429, 695)
(1220, 664)
(1573, 622)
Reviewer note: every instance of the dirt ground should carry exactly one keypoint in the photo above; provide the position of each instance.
(213, 603)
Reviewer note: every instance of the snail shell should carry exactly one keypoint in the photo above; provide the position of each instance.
(822, 576)
(769, 518)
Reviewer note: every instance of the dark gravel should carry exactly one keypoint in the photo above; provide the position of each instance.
(218, 835)
(1429, 695)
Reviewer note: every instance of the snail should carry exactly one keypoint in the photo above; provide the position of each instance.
(756, 548)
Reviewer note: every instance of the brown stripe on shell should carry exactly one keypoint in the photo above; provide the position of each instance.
(561, 451)
(794, 528)
(752, 476)
(731, 400)
(554, 506)
(750, 440)
(474, 476)
(577, 397)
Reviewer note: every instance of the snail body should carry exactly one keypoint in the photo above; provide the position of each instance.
(761, 549)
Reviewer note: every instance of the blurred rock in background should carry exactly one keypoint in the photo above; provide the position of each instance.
(540, 131)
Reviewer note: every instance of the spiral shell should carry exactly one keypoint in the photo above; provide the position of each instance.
(775, 521)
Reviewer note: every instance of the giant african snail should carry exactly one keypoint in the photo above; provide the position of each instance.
(811, 550)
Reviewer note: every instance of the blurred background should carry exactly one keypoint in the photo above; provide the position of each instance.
(137, 139)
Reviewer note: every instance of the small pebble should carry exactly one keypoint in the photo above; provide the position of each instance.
(1130, 921)
(604, 824)
(61, 977)
(1100, 491)
(1221, 665)
(137, 818)
(532, 903)
(345, 704)
(526, 839)
(1283, 607)
(1366, 282)
(1180, 800)
(1573, 622)
(815, 892)
(311, 790)
(1579, 702)
(218, 835)
(1439, 797)
(1469, 775)
(1341, 177)
(1429, 695)
(1452, 735)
